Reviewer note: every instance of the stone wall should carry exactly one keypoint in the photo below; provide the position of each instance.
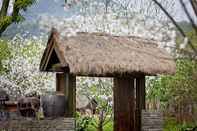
(59, 124)
(152, 121)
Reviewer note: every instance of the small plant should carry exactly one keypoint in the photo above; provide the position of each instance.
(82, 122)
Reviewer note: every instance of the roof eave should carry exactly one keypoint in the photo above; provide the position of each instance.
(52, 44)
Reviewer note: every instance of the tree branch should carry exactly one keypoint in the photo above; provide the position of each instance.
(4, 8)
(176, 25)
(194, 6)
(188, 16)
(15, 12)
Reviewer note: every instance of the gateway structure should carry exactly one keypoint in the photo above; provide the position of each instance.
(127, 59)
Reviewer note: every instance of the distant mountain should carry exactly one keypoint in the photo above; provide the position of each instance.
(186, 26)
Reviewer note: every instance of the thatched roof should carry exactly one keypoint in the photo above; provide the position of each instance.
(101, 54)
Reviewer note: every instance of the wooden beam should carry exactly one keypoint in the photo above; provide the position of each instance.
(66, 84)
(123, 104)
(49, 48)
(47, 56)
(140, 101)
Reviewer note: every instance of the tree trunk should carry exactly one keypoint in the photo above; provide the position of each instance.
(3, 26)
(100, 127)
(15, 12)
(4, 22)
(101, 121)
(4, 8)
(194, 6)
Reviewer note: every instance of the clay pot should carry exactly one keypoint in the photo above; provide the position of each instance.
(54, 105)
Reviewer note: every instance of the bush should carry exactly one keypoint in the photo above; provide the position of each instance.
(85, 123)
(4, 53)
(82, 122)
(172, 125)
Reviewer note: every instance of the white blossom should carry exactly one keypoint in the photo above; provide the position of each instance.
(133, 24)
(23, 73)
(184, 44)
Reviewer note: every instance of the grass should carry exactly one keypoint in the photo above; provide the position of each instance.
(171, 125)
(107, 127)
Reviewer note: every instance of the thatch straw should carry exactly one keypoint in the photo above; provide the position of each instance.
(102, 54)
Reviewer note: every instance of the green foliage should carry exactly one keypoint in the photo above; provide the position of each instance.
(181, 86)
(6, 20)
(18, 18)
(101, 91)
(172, 125)
(85, 123)
(191, 34)
(23, 4)
(187, 51)
(107, 127)
(18, 6)
(4, 53)
(82, 122)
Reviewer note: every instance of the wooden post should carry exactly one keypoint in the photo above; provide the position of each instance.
(123, 104)
(66, 84)
(60, 82)
(140, 101)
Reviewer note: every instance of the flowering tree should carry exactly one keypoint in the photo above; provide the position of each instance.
(100, 90)
(151, 10)
(116, 17)
(22, 68)
(187, 7)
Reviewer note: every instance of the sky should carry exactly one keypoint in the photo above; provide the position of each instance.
(58, 10)
(180, 15)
